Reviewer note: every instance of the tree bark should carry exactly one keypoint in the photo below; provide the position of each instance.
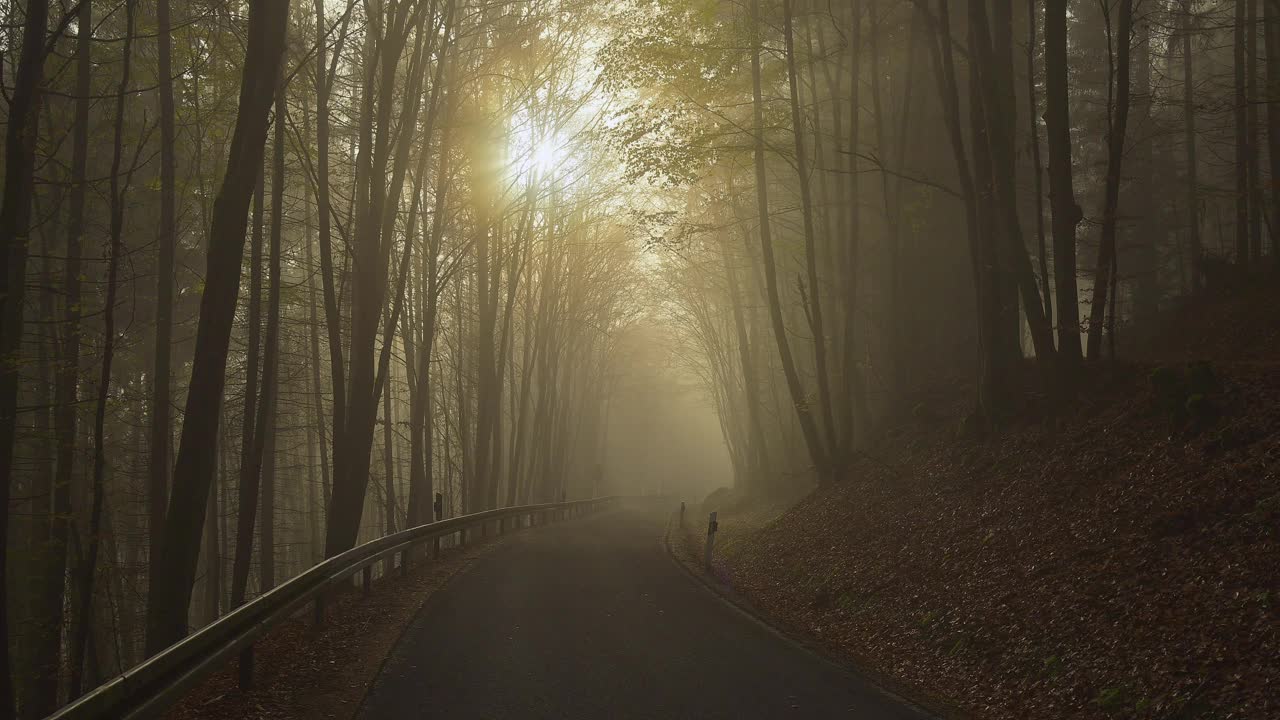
(1240, 48)
(1271, 34)
(249, 487)
(169, 596)
(15, 213)
(799, 401)
(1033, 122)
(1251, 126)
(1115, 159)
(377, 198)
(266, 457)
(994, 54)
(810, 241)
(98, 487)
(1062, 200)
(1189, 140)
(42, 695)
(943, 59)
(158, 470)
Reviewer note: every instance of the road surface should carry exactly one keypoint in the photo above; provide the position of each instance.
(592, 619)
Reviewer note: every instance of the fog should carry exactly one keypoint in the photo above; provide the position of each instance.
(663, 434)
(280, 283)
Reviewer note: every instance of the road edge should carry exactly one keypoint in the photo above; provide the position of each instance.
(480, 552)
(927, 705)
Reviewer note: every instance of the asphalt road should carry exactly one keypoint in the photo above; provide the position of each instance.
(591, 618)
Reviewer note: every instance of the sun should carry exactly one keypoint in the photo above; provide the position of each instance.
(546, 156)
(534, 150)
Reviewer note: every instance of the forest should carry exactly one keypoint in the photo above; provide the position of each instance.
(283, 277)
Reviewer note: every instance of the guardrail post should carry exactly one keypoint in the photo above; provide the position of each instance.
(245, 676)
(681, 514)
(404, 562)
(435, 548)
(712, 527)
(502, 526)
(318, 615)
(366, 578)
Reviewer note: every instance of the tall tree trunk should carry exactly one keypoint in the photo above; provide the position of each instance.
(1062, 199)
(265, 453)
(1033, 122)
(1251, 126)
(855, 410)
(994, 53)
(1115, 158)
(170, 594)
(317, 389)
(943, 59)
(421, 486)
(810, 241)
(248, 491)
(267, 491)
(324, 209)
(1189, 140)
(890, 195)
(212, 553)
(1240, 48)
(799, 401)
(515, 481)
(381, 167)
(15, 214)
(388, 458)
(421, 450)
(42, 695)
(1271, 33)
(158, 470)
(1146, 228)
(757, 451)
(117, 198)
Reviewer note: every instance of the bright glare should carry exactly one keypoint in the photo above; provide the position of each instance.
(537, 153)
(534, 150)
(546, 156)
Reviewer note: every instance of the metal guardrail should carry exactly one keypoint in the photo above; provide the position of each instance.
(148, 689)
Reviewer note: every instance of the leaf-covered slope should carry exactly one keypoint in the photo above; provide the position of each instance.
(1116, 561)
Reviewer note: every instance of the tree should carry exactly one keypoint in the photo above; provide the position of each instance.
(89, 565)
(15, 216)
(160, 389)
(169, 593)
(1066, 213)
(1105, 275)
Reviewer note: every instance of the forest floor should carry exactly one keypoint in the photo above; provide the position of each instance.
(1116, 557)
(307, 673)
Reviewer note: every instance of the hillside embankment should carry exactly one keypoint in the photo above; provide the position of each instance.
(1114, 556)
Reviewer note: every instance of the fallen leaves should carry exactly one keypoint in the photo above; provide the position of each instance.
(1095, 565)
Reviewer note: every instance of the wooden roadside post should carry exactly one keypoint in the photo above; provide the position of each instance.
(712, 527)
(681, 514)
(435, 541)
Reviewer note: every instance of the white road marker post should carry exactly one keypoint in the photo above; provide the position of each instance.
(712, 527)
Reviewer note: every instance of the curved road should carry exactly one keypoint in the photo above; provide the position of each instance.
(592, 619)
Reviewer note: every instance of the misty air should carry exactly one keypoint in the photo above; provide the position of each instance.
(640, 359)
